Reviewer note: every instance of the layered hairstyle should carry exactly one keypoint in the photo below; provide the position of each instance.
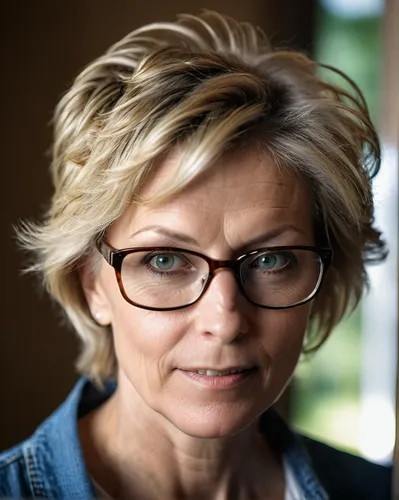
(211, 84)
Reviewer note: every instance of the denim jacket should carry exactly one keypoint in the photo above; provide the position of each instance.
(50, 464)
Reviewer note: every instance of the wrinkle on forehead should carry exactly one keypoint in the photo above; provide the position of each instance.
(239, 196)
(225, 186)
(236, 199)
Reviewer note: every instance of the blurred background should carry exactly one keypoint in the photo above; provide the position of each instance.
(345, 395)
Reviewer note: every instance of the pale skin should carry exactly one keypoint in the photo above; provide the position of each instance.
(163, 435)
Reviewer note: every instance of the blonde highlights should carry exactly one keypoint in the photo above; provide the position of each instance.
(211, 84)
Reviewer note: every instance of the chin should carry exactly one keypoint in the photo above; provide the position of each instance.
(214, 421)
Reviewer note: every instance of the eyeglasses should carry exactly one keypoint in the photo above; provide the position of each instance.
(168, 278)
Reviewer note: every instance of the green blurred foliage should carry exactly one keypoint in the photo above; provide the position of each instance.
(325, 389)
(353, 46)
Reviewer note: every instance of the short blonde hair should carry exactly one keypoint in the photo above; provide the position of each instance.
(212, 83)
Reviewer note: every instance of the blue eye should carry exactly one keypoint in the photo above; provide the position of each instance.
(166, 262)
(271, 261)
(163, 262)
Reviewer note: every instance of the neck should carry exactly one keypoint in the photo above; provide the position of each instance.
(133, 451)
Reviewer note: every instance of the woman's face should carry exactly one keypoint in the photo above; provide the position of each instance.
(243, 198)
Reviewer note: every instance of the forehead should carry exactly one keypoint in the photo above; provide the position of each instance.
(237, 181)
(242, 195)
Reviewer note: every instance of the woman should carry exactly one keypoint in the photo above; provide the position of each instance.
(212, 205)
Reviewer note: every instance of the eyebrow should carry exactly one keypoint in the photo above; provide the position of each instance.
(274, 233)
(184, 238)
(174, 235)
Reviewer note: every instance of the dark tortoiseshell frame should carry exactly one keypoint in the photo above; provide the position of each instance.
(115, 258)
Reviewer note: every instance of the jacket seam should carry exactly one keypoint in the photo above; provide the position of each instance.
(11, 459)
(35, 483)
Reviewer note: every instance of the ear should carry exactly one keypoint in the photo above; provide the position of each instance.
(92, 281)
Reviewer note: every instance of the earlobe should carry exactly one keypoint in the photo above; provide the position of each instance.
(101, 319)
(94, 292)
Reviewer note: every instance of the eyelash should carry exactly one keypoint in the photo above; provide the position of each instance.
(146, 261)
(291, 262)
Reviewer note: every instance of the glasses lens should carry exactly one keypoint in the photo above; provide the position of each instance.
(281, 278)
(163, 279)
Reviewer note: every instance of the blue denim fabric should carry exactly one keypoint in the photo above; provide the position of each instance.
(50, 464)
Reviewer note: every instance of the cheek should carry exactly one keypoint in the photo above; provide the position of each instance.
(286, 331)
(282, 341)
(146, 343)
(137, 329)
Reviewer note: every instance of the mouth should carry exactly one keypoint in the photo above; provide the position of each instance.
(221, 379)
(220, 373)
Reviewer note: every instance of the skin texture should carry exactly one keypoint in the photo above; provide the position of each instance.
(164, 435)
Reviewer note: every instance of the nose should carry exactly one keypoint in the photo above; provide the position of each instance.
(221, 311)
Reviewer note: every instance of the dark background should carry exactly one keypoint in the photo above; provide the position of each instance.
(44, 45)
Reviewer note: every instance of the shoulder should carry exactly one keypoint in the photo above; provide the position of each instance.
(14, 475)
(42, 466)
(27, 469)
(347, 477)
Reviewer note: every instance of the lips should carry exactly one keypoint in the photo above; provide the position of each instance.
(226, 379)
(219, 373)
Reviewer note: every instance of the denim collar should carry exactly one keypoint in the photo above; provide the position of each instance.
(56, 466)
(54, 458)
